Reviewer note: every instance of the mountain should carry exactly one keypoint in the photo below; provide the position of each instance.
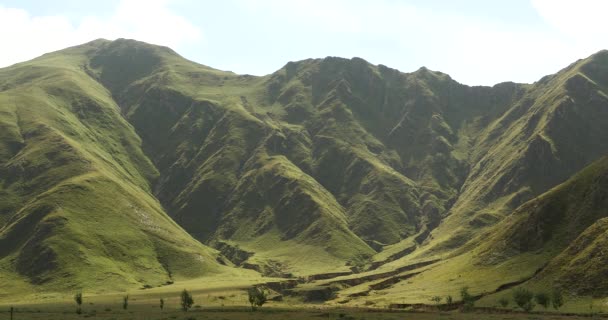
(126, 161)
(77, 207)
(569, 223)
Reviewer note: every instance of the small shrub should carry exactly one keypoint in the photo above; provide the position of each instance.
(504, 302)
(257, 297)
(186, 300)
(125, 302)
(523, 299)
(162, 304)
(449, 300)
(436, 299)
(557, 299)
(78, 299)
(468, 301)
(543, 299)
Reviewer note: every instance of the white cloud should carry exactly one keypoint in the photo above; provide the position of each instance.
(25, 36)
(583, 22)
(471, 48)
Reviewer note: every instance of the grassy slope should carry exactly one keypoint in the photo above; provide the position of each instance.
(221, 173)
(509, 163)
(333, 159)
(77, 208)
(558, 127)
(566, 228)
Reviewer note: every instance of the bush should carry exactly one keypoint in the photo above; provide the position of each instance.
(78, 299)
(257, 297)
(162, 304)
(468, 301)
(543, 299)
(186, 300)
(449, 300)
(557, 299)
(504, 302)
(523, 299)
(125, 302)
(436, 299)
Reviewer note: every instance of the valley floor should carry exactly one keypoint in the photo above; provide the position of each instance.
(228, 300)
(267, 313)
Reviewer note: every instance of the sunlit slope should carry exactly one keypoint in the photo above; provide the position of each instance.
(327, 165)
(569, 224)
(559, 126)
(224, 173)
(76, 205)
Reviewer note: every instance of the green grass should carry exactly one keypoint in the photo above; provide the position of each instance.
(80, 212)
(122, 164)
(215, 299)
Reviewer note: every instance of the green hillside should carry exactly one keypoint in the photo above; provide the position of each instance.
(123, 164)
(77, 206)
(568, 224)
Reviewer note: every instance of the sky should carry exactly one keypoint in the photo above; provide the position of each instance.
(476, 42)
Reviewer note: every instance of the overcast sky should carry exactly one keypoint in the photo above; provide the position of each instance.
(475, 41)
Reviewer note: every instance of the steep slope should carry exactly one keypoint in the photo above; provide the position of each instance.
(568, 226)
(325, 166)
(376, 153)
(212, 146)
(76, 205)
(390, 146)
(553, 130)
(559, 126)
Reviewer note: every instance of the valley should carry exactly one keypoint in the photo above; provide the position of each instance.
(336, 183)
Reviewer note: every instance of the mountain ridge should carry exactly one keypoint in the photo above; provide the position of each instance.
(334, 159)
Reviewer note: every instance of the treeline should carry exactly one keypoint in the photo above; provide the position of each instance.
(523, 298)
(257, 296)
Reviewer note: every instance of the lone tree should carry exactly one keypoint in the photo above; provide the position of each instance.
(257, 297)
(557, 299)
(523, 298)
(468, 301)
(504, 302)
(187, 300)
(162, 304)
(125, 302)
(543, 299)
(78, 299)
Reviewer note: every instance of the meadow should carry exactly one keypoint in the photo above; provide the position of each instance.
(217, 299)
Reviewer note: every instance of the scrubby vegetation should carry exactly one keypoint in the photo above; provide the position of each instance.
(557, 299)
(186, 300)
(125, 302)
(78, 300)
(468, 301)
(504, 302)
(257, 297)
(524, 299)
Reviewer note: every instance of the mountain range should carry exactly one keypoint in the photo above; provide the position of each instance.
(124, 165)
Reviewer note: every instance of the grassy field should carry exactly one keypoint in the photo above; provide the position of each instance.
(227, 299)
(143, 311)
